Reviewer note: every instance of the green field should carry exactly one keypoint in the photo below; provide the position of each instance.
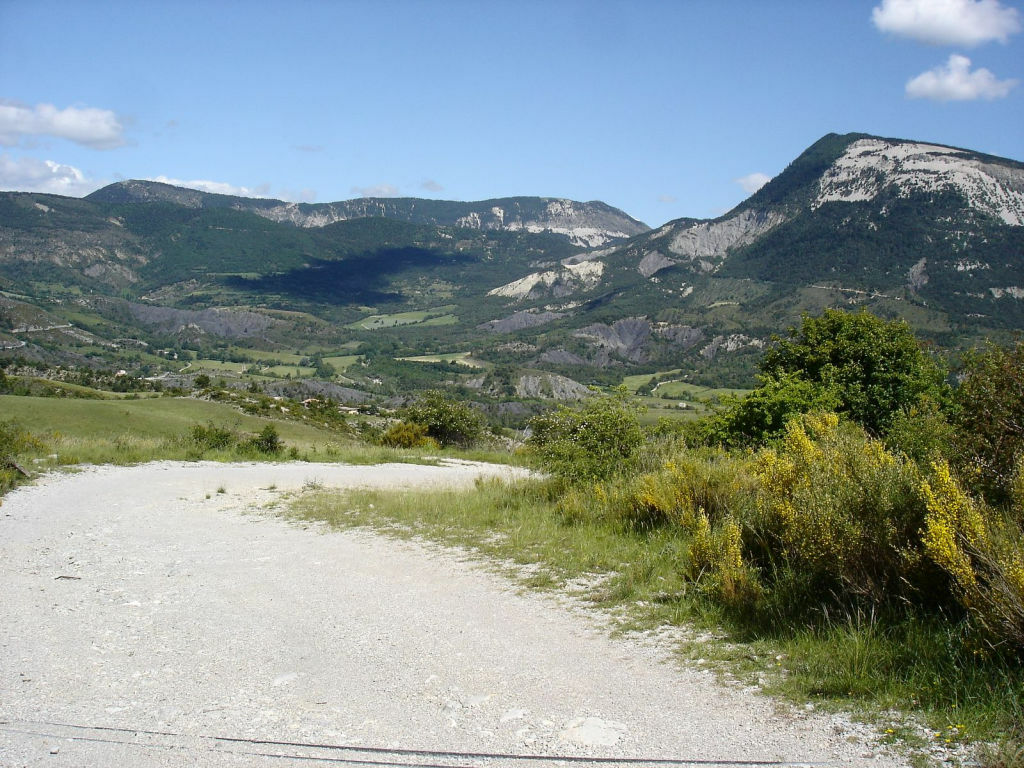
(341, 362)
(295, 371)
(436, 316)
(462, 358)
(633, 383)
(669, 392)
(681, 390)
(218, 366)
(284, 358)
(81, 391)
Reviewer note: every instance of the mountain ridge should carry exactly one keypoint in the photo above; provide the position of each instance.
(909, 229)
(584, 224)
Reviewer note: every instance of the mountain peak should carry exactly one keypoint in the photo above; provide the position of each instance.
(870, 165)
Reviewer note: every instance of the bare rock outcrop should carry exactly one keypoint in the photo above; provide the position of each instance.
(227, 323)
(517, 321)
(627, 337)
(551, 385)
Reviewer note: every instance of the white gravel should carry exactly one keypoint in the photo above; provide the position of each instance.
(144, 617)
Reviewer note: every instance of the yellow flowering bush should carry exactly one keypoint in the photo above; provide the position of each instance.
(838, 509)
(953, 524)
(716, 560)
(982, 552)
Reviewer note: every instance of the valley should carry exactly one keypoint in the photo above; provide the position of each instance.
(384, 297)
(681, 488)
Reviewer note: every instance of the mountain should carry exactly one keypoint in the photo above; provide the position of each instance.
(583, 224)
(930, 233)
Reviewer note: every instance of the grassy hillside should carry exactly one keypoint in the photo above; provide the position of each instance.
(163, 417)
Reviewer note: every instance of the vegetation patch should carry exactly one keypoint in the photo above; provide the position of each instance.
(437, 316)
(461, 358)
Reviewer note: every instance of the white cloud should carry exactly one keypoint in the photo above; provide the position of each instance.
(304, 195)
(216, 187)
(90, 127)
(667, 198)
(377, 190)
(954, 81)
(431, 186)
(27, 174)
(753, 182)
(947, 22)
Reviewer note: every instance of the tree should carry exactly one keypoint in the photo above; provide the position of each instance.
(591, 442)
(764, 413)
(875, 367)
(447, 420)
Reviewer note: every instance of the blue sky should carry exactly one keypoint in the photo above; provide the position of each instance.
(661, 108)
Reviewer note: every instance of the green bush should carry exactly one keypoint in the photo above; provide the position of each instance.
(267, 441)
(990, 418)
(15, 442)
(922, 432)
(406, 434)
(714, 483)
(764, 413)
(876, 368)
(448, 421)
(592, 442)
(213, 438)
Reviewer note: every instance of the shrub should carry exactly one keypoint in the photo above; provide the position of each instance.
(990, 417)
(591, 442)
(922, 432)
(212, 437)
(716, 562)
(447, 420)
(840, 515)
(406, 434)
(709, 482)
(764, 413)
(267, 441)
(15, 440)
(983, 555)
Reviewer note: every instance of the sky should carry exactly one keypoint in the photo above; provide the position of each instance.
(663, 108)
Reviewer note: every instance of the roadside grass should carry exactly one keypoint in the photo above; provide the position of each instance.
(909, 675)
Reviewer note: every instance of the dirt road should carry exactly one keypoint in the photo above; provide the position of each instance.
(147, 619)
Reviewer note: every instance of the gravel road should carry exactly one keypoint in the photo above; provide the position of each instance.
(147, 619)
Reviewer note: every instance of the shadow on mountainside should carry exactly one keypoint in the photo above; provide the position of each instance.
(365, 279)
